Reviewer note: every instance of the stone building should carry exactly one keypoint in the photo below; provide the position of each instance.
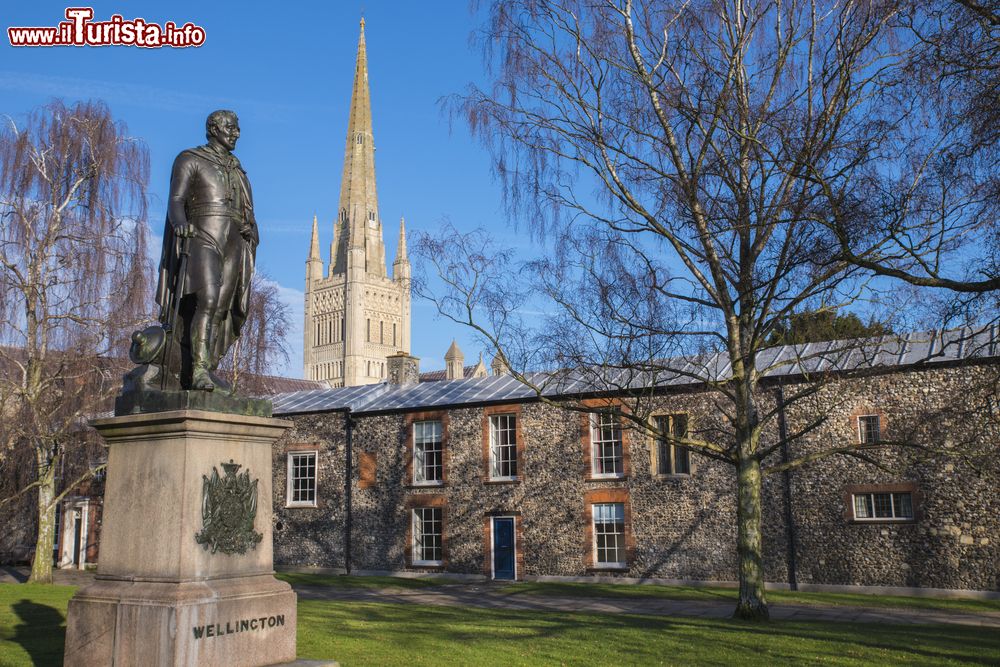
(479, 477)
(356, 315)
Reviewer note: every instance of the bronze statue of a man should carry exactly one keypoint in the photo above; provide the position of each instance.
(209, 247)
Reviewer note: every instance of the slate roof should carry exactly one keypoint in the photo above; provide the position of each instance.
(915, 349)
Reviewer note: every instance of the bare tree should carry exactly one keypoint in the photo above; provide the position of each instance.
(945, 184)
(683, 161)
(262, 347)
(74, 283)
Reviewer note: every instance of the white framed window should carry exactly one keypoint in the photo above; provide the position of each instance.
(428, 546)
(428, 453)
(606, 446)
(869, 429)
(672, 459)
(886, 506)
(609, 534)
(301, 489)
(503, 447)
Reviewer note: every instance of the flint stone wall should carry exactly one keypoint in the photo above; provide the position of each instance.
(311, 536)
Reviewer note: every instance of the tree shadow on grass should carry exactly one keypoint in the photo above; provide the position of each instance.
(41, 632)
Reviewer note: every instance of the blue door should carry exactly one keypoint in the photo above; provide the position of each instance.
(503, 548)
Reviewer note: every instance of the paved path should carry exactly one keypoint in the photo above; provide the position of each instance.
(490, 597)
(472, 595)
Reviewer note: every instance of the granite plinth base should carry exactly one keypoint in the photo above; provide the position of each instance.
(144, 401)
(234, 622)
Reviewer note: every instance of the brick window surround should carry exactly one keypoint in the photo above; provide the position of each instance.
(599, 496)
(303, 448)
(514, 409)
(855, 424)
(654, 449)
(586, 425)
(426, 500)
(488, 543)
(430, 415)
(904, 487)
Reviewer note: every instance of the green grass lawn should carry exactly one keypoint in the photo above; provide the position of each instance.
(32, 627)
(596, 590)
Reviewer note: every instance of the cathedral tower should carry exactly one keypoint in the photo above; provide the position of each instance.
(356, 315)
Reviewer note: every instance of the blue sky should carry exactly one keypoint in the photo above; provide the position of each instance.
(287, 70)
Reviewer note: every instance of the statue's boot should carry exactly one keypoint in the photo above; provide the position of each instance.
(200, 377)
(218, 352)
(200, 356)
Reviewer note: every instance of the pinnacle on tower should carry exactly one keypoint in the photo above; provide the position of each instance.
(314, 265)
(314, 244)
(401, 248)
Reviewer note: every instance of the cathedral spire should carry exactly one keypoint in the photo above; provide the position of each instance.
(360, 225)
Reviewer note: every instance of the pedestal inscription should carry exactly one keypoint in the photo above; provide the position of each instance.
(185, 576)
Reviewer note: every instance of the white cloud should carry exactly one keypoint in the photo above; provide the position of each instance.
(149, 97)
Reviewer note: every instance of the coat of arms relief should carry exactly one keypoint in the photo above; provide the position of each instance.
(228, 510)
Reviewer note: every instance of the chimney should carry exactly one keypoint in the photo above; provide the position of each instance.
(402, 369)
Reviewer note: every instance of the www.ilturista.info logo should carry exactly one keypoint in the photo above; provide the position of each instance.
(80, 30)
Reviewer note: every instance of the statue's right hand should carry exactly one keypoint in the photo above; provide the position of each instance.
(184, 231)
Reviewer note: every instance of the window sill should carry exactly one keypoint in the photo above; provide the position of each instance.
(673, 475)
(301, 506)
(605, 478)
(426, 485)
(439, 564)
(882, 521)
(502, 480)
(609, 568)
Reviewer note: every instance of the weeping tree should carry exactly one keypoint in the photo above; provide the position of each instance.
(692, 168)
(74, 282)
(262, 347)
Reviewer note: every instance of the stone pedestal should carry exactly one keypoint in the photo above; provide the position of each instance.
(162, 597)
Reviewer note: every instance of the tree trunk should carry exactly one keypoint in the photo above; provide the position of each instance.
(41, 565)
(752, 605)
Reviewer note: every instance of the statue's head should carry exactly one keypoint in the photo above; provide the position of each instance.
(224, 126)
